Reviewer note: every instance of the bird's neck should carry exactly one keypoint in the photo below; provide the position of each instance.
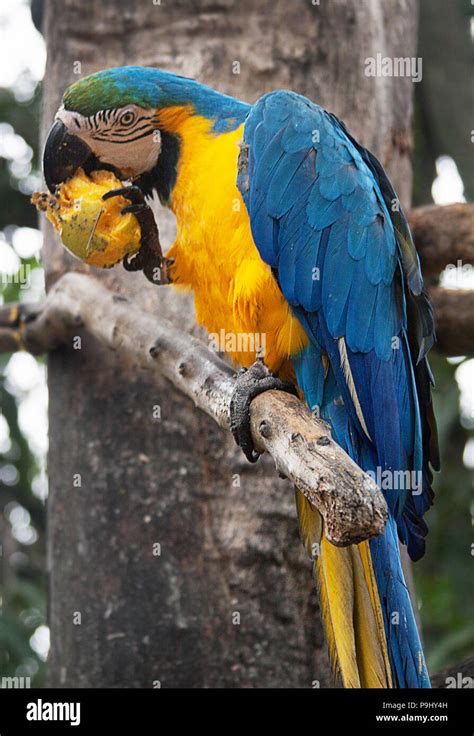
(205, 161)
(214, 253)
(187, 139)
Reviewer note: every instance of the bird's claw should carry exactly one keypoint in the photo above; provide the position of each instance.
(250, 383)
(149, 258)
(133, 193)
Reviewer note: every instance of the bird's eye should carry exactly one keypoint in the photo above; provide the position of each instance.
(127, 118)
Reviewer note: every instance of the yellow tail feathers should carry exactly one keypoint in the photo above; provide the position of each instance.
(350, 605)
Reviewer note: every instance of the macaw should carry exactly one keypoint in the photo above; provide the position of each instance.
(289, 229)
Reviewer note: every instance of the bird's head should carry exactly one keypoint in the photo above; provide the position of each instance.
(106, 120)
(114, 119)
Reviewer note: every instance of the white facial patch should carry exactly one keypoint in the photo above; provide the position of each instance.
(126, 138)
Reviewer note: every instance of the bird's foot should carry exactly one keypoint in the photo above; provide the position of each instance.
(250, 383)
(149, 258)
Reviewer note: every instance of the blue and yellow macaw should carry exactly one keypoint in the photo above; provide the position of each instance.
(289, 229)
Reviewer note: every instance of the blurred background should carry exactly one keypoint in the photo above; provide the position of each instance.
(443, 173)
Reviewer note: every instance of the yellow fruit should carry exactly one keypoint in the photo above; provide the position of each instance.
(92, 229)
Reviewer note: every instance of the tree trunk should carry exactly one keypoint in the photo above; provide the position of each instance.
(164, 566)
(445, 99)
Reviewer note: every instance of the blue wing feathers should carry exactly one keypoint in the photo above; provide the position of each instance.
(320, 208)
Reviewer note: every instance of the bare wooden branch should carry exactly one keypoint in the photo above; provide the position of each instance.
(443, 235)
(349, 500)
(454, 319)
(453, 309)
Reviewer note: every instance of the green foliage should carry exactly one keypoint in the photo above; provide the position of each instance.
(24, 119)
(22, 566)
(442, 104)
(443, 575)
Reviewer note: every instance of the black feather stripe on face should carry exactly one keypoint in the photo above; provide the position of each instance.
(162, 177)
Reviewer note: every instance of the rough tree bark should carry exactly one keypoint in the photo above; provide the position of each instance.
(177, 481)
(454, 309)
(443, 236)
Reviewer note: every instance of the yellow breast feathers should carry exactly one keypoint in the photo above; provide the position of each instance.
(236, 296)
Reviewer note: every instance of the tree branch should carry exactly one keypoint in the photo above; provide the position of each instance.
(454, 320)
(350, 502)
(443, 234)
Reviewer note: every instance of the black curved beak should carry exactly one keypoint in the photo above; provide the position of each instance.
(63, 155)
